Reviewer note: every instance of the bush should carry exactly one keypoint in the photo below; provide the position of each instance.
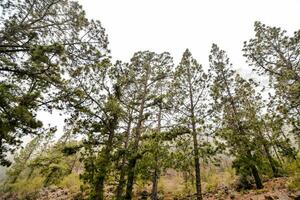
(71, 182)
(294, 183)
(292, 169)
(27, 189)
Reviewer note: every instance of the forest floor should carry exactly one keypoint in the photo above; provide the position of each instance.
(274, 189)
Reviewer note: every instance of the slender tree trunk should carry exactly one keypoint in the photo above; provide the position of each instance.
(154, 185)
(197, 168)
(133, 160)
(15, 178)
(30, 173)
(271, 161)
(273, 146)
(185, 178)
(192, 177)
(99, 192)
(268, 154)
(195, 141)
(256, 177)
(122, 181)
(104, 165)
(73, 163)
(293, 153)
(155, 176)
(100, 177)
(254, 171)
(130, 178)
(277, 155)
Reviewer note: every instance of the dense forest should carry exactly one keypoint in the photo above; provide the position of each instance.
(146, 129)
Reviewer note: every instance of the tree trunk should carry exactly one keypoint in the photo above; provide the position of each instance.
(197, 169)
(195, 142)
(104, 165)
(154, 185)
(256, 177)
(122, 181)
(156, 167)
(265, 144)
(277, 156)
(99, 191)
(272, 145)
(271, 161)
(130, 179)
(133, 160)
(30, 173)
(185, 178)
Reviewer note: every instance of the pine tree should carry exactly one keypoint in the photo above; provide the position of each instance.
(233, 131)
(95, 107)
(40, 41)
(148, 68)
(275, 54)
(190, 90)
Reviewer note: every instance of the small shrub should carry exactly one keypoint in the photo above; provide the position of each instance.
(294, 183)
(27, 189)
(292, 169)
(71, 182)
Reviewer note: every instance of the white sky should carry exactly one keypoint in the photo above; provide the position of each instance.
(174, 25)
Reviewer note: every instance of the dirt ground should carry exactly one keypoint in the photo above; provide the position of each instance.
(273, 189)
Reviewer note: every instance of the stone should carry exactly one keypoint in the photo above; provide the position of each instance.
(269, 197)
(297, 195)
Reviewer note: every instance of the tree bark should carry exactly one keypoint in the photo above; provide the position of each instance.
(271, 161)
(155, 176)
(130, 178)
(99, 191)
(256, 177)
(102, 172)
(154, 185)
(195, 142)
(122, 181)
(133, 160)
(197, 168)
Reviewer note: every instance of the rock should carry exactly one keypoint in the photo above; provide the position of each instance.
(243, 183)
(292, 196)
(143, 195)
(269, 197)
(297, 195)
(226, 190)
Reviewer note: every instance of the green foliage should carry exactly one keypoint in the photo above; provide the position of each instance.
(72, 182)
(27, 188)
(40, 42)
(274, 53)
(292, 169)
(137, 119)
(156, 153)
(294, 183)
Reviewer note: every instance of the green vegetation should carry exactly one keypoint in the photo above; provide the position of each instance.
(137, 128)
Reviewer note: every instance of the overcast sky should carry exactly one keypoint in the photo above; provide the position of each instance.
(174, 25)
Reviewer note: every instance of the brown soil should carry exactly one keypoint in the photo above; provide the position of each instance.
(273, 189)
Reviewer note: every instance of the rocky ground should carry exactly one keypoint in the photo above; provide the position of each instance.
(274, 189)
